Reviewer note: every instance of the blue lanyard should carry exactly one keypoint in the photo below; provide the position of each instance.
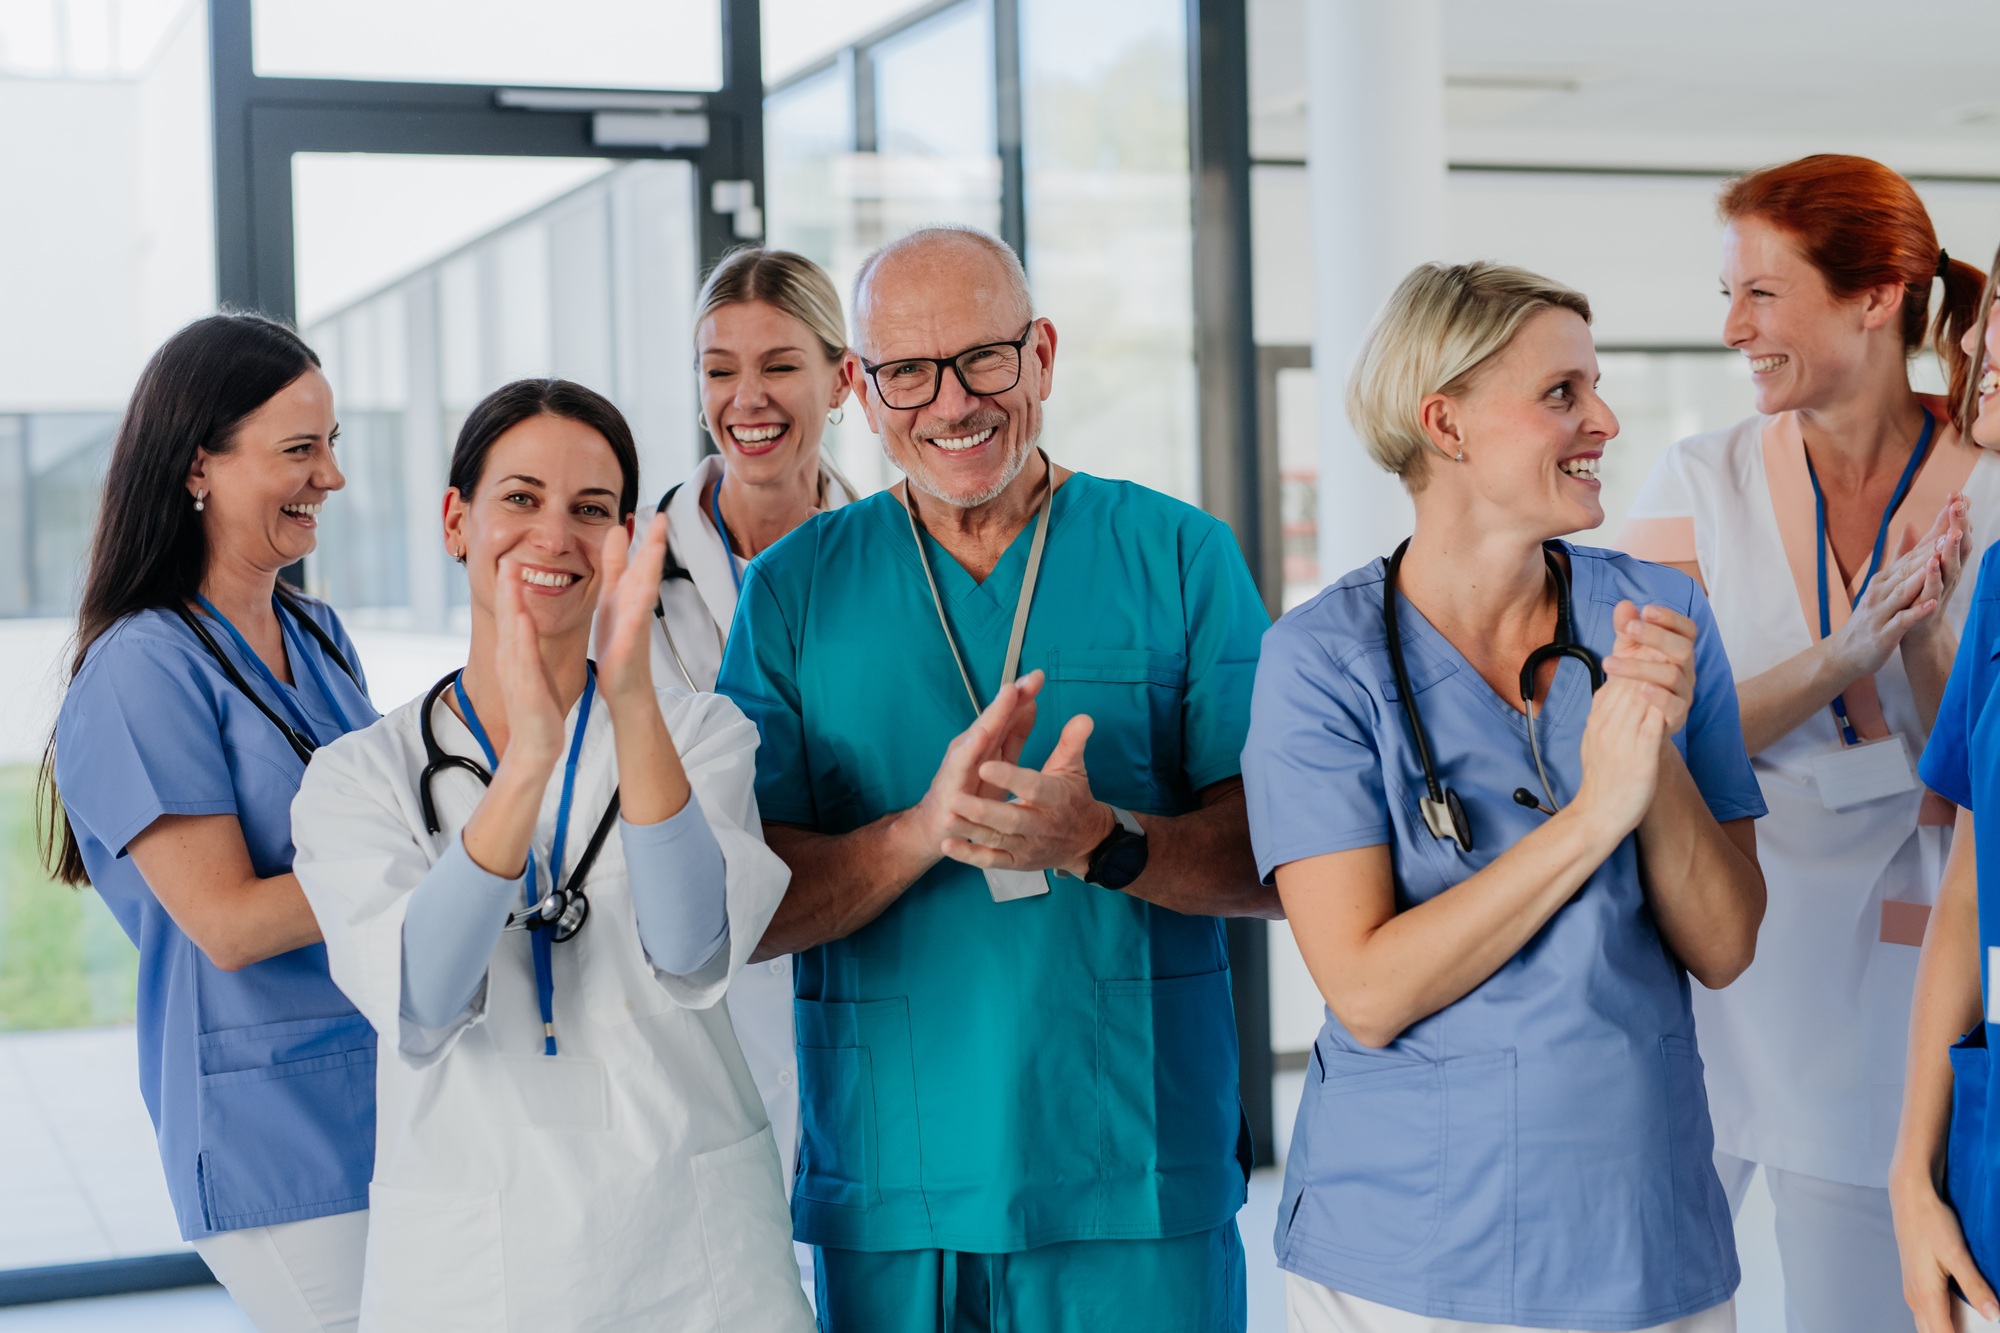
(539, 942)
(722, 530)
(300, 653)
(1848, 735)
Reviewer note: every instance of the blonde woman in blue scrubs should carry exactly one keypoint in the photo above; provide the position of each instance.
(201, 688)
(1503, 1125)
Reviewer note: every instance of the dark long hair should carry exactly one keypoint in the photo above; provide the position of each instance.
(149, 548)
(511, 404)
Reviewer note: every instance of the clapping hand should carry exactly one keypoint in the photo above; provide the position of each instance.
(534, 717)
(1655, 648)
(997, 735)
(624, 611)
(1905, 594)
(1053, 822)
(1621, 753)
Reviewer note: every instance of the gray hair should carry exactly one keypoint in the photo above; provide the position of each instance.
(943, 235)
(1442, 323)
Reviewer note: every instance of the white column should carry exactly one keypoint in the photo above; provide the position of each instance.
(1376, 149)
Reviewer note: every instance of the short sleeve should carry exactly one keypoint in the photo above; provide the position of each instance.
(1946, 766)
(760, 676)
(1225, 619)
(1311, 772)
(138, 737)
(1660, 524)
(1712, 741)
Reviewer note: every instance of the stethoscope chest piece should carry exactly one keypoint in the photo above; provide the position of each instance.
(1446, 818)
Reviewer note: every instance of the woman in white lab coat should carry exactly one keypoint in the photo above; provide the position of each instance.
(768, 338)
(536, 883)
(1830, 531)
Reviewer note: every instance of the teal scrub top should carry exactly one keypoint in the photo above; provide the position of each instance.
(983, 1076)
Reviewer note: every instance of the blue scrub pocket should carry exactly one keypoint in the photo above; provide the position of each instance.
(1135, 697)
(1411, 1166)
(1704, 1238)
(1969, 1184)
(286, 1115)
(857, 1104)
(1168, 1116)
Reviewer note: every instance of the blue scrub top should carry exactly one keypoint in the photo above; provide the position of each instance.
(985, 1076)
(261, 1082)
(1537, 1153)
(1962, 764)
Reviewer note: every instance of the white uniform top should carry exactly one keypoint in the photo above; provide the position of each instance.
(630, 1181)
(695, 612)
(1805, 1050)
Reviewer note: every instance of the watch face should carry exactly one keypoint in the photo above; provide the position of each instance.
(1120, 863)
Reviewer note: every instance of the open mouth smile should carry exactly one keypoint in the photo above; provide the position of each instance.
(306, 515)
(958, 444)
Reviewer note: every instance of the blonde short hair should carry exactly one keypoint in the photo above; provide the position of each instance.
(1443, 322)
(780, 278)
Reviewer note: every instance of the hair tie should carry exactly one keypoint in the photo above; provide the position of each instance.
(1944, 264)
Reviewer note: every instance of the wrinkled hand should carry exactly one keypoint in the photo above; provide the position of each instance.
(1934, 1253)
(1054, 823)
(1621, 754)
(534, 717)
(625, 611)
(1656, 647)
(998, 733)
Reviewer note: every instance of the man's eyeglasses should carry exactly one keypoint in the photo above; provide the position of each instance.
(912, 381)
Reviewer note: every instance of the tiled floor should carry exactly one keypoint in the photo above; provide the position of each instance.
(81, 1177)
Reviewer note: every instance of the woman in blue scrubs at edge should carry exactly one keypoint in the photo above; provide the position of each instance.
(1944, 1183)
(200, 688)
(1503, 1125)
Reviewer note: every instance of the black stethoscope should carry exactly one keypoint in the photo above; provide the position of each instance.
(1442, 810)
(564, 909)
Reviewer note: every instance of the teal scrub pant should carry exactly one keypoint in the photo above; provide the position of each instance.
(1187, 1284)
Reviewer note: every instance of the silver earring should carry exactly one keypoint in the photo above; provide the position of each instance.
(1459, 457)
(701, 420)
(200, 501)
(835, 417)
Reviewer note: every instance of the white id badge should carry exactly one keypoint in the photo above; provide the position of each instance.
(1856, 774)
(1007, 885)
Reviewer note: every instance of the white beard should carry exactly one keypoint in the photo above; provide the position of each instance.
(920, 477)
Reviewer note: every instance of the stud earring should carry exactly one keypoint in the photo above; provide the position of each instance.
(835, 417)
(200, 501)
(701, 420)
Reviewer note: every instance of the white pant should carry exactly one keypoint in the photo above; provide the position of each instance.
(1837, 1246)
(294, 1277)
(1311, 1308)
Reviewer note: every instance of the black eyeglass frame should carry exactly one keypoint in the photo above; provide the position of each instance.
(944, 363)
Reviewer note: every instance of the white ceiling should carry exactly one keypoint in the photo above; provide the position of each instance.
(1708, 83)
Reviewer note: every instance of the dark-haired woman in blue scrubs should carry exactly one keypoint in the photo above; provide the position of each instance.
(200, 690)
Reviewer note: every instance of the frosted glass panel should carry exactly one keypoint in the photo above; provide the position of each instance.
(578, 44)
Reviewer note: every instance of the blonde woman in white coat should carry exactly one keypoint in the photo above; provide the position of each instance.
(769, 337)
(536, 883)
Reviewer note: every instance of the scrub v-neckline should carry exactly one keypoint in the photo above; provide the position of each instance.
(975, 604)
(1562, 693)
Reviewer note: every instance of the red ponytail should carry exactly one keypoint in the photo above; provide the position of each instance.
(1862, 225)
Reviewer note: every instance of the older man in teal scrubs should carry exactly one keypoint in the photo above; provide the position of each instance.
(1016, 1043)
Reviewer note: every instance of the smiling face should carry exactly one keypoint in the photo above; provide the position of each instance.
(1532, 427)
(546, 500)
(262, 497)
(1982, 343)
(1806, 345)
(938, 300)
(766, 389)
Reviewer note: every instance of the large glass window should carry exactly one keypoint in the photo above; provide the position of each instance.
(579, 44)
(1110, 231)
(595, 285)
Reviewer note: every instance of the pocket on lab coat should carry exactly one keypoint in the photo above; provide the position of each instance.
(746, 1235)
(286, 1119)
(436, 1263)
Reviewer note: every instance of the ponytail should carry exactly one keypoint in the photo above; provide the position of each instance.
(1967, 296)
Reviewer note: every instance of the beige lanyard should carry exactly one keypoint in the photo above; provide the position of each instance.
(1009, 665)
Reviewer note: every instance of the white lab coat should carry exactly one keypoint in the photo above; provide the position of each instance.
(630, 1182)
(696, 611)
(1805, 1051)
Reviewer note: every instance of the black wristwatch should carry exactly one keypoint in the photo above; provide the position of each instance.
(1121, 857)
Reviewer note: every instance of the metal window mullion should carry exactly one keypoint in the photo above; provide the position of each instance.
(1007, 124)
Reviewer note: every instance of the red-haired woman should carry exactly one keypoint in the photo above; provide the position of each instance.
(1830, 531)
